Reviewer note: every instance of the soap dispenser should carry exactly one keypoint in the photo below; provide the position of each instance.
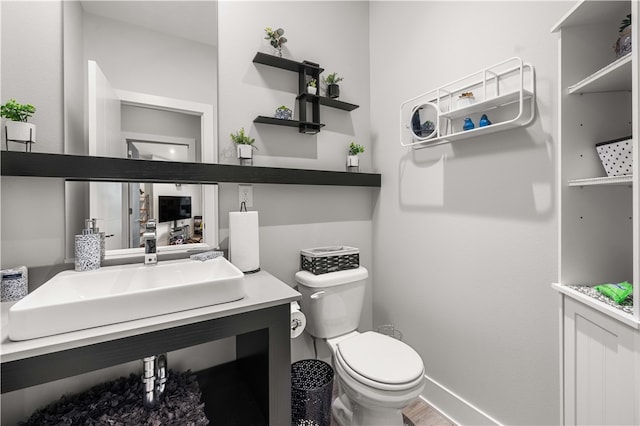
(96, 230)
(88, 248)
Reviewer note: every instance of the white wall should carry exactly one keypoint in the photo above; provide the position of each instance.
(465, 234)
(293, 217)
(33, 209)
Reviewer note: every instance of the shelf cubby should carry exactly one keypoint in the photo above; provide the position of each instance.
(487, 105)
(615, 77)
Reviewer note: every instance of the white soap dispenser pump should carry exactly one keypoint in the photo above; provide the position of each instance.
(88, 248)
(96, 230)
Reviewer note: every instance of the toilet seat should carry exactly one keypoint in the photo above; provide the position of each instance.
(380, 361)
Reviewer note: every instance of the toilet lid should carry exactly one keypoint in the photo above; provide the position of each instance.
(381, 359)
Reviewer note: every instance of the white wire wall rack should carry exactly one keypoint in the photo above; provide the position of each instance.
(503, 93)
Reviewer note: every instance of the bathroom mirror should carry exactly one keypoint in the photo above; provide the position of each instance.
(144, 77)
(424, 121)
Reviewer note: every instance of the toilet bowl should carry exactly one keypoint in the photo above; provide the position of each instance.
(377, 375)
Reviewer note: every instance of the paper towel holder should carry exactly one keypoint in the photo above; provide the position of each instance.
(248, 254)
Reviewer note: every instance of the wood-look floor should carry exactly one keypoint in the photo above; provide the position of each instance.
(419, 413)
(422, 414)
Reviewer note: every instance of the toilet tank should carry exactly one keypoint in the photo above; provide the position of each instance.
(332, 302)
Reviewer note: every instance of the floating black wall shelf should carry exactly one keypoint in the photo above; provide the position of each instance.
(88, 168)
(306, 70)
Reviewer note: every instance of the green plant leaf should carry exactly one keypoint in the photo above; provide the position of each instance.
(355, 149)
(14, 111)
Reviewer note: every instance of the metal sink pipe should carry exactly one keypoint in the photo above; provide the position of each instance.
(154, 377)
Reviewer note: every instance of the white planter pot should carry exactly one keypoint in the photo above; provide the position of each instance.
(353, 162)
(245, 152)
(312, 90)
(20, 131)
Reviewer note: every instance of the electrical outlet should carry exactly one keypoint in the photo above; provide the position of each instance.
(245, 193)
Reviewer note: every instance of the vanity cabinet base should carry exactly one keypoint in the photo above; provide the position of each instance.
(263, 358)
(600, 368)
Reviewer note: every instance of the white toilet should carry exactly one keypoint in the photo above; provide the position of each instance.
(377, 375)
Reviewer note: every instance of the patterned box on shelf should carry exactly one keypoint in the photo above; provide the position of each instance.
(321, 260)
(615, 156)
(284, 114)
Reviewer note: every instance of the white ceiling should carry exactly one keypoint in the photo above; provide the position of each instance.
(194, 20)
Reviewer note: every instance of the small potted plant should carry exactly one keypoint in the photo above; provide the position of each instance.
(284, 113)
(244, 145)
(353, 162)
(312, 86)
(275, 39)
(622, 45)
(333, 89)
(16, 127)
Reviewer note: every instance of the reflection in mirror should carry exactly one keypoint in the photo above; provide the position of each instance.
(140, 104)
(177, 209)
(424, 121)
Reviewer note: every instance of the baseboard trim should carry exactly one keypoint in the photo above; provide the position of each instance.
(452, 406)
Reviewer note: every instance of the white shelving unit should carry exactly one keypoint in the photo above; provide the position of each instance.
(599, 232)
(595, 105)
(504, 91)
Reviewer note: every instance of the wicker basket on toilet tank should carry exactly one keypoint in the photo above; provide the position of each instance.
(321, 260)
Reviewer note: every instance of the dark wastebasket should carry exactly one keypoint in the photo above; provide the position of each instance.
(311, 389)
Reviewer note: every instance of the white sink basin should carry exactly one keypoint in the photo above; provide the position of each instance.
(77, 300)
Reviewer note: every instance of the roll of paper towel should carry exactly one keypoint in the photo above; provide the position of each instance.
(244, 243)
(298, 320)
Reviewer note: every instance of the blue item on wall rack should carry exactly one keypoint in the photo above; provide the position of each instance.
(484, 121)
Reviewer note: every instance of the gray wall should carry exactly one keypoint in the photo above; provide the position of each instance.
(294, 217)
(33, 209)
(465, 246)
